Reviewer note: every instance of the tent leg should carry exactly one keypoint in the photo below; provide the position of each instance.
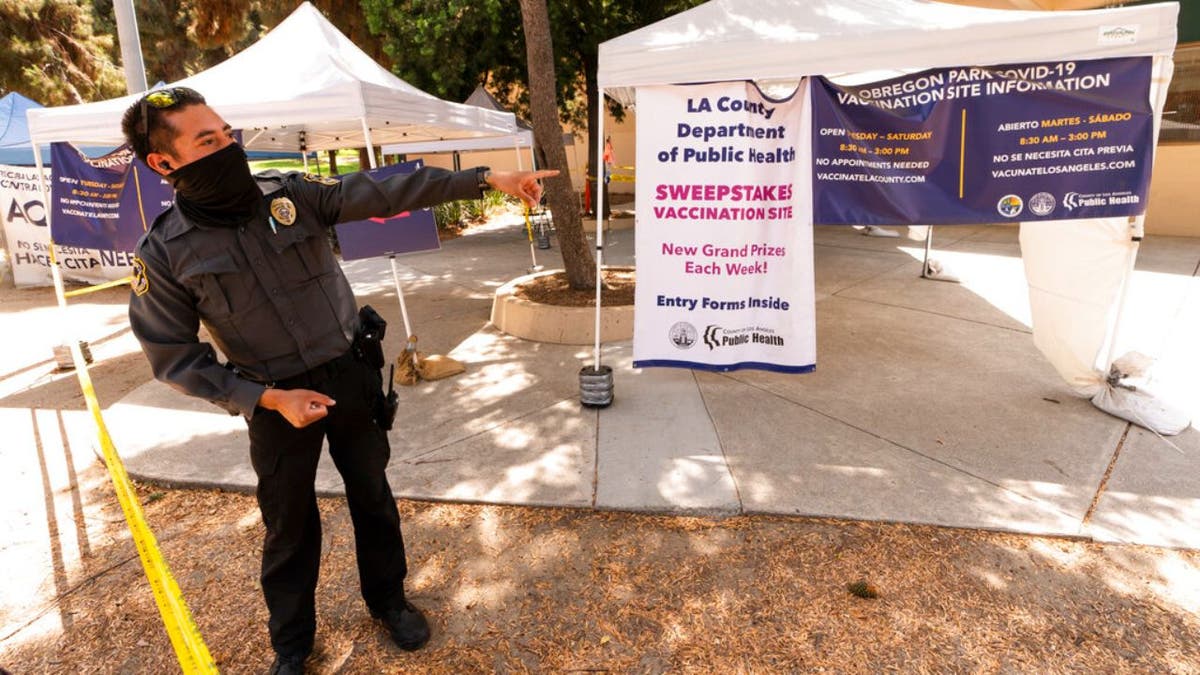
(529, 226)
(932, 269)
(928, 245)
(596, 383)
(68, 333)
(400, 295)
(370, 146)
(599, 230)
(1114, 334)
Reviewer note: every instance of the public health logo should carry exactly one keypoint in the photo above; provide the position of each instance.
(1010, 206)
(712, 337)
(1042, 204)
(683, 335)
(1071, 200)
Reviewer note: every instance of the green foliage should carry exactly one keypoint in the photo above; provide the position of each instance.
(51, 52)
(448, 215)
(495, 201)
(447, 47)
(453, 215)
(347, 162)
(473, 209)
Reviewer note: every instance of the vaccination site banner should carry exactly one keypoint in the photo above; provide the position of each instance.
(406, 232)
(24, 212)
(104, 202)
(724, 236)
(1026, 142)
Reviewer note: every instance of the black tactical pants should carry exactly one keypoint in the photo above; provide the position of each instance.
(285, 459)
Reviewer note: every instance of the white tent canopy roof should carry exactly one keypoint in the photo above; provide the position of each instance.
(302, 76)
(479, 98)
(789, 39)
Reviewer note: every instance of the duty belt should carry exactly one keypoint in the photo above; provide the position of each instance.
(314, 376)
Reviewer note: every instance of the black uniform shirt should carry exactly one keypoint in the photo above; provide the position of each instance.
(275, 302)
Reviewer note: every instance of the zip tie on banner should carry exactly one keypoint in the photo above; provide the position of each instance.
(190, 649)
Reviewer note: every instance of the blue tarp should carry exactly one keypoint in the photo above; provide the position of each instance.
(15, 149)
(14, 131)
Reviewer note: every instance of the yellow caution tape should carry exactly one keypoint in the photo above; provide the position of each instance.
(185, 636)
(98, 287)
(528, 224)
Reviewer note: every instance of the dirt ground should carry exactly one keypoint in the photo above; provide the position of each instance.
(553, 590)
(553, 289)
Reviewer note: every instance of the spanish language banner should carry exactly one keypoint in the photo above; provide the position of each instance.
(724, 235)
(24, 214)
(104, 202)
(406, 232)
(1037, 141)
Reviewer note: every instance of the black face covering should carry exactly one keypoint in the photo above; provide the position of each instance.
(218, 188)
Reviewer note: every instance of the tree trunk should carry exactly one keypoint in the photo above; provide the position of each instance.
(543, 107)
(332, 162)
(364, 157)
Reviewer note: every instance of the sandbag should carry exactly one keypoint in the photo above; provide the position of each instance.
(1120, 398)
(412, 366)
(439, 367)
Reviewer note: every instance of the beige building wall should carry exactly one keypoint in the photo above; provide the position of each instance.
(1174, 207)
(508, 160)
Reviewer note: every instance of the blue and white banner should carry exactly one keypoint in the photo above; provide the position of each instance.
(724, 235)
(407, 232)
(24, 216)
(106, 202)
(1025, 142)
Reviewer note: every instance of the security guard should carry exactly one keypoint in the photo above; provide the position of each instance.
(249, 258)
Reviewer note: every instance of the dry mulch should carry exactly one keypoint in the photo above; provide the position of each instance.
(553, 289)
(512, 589)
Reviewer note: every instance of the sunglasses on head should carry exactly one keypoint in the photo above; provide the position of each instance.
(162, 99)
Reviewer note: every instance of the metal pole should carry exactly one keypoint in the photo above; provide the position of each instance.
(367, 140)
(395, 270)
(599, 224)
(55, 273)
(131, 46)
(529, 225)
(1135, 236)
(928, 244)
(400, 295)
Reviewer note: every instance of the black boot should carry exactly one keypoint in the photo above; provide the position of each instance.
(407, 625)
(287, 665)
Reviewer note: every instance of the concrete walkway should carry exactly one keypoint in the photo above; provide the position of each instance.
(930, 403)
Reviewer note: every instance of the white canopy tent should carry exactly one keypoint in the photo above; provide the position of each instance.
(766, 40)
(480, 98)
(304, 84)
(782, 41)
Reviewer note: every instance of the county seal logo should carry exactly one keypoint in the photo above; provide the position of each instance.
(1042, 204)
(683, 335)
(1010, 206)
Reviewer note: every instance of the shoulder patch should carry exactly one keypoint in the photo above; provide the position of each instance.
(140, 282)
(320, 180)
